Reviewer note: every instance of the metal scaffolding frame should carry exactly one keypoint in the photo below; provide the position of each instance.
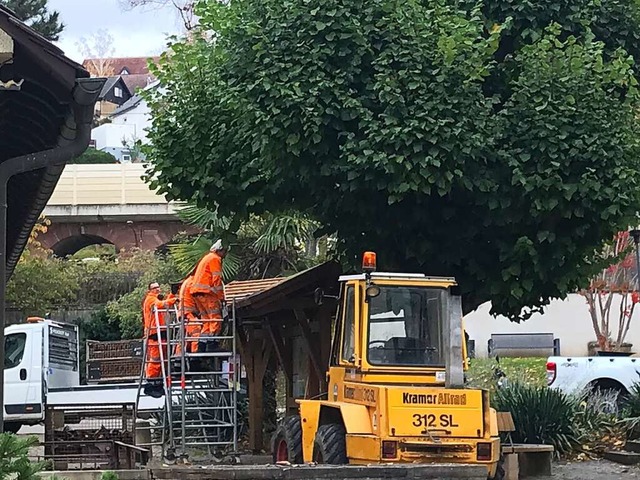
(200, 397)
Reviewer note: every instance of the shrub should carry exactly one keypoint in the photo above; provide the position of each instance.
(568, 422)
(91, 155)
(541, 415)
(631, 403)
(14, 458)
(595, 420)
(109, 476)
(631, 408)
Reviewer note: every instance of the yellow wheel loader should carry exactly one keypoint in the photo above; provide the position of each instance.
(396, 389)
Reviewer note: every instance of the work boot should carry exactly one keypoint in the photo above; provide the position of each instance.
(213, 346)
(195, 365)
(154, 388)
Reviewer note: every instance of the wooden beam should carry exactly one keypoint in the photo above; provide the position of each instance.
(255, 313)
(280, 349)
(242, 336)
(306, 336)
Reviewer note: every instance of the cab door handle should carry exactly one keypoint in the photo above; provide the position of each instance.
(23, 374)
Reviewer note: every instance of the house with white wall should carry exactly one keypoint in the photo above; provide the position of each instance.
(569, 320)
(128, 124)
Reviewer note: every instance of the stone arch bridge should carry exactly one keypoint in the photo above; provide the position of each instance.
(98, 204)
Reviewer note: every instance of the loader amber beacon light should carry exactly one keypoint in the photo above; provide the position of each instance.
(369, 262)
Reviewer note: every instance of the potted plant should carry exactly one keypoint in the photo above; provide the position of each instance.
(612, 298)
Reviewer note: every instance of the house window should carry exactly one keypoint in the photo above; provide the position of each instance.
(126, 158)
(124, 72)
(117, 91)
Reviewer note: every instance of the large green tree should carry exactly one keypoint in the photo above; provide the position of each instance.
(36, 14)
(497, 143)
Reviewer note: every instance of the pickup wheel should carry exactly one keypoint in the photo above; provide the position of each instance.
(12, 427)
(612, 394)
(287, 441)
(500, 472)
(330, 445)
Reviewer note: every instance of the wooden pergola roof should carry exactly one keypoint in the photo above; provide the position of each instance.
(277, 294)
(272, 315)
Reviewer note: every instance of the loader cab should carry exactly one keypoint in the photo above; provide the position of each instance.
(394, 324)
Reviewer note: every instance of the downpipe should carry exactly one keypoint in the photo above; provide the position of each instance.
(74, 139)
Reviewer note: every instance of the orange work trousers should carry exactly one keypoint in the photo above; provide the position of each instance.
(209, 307)
(153, 367)
(192, 330)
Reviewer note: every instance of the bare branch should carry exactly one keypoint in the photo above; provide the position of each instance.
(98, 51)
(185, 9)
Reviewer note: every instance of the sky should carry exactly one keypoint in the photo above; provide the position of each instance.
(137, 32)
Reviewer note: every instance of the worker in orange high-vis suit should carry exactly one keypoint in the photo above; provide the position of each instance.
(155, 337)
(187, 308)
(207, 290)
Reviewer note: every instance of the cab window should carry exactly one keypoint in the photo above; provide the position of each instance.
(14, 349)
(348, 335)
(405, 327)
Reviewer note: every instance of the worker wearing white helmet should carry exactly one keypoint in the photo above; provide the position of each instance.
(207, 290)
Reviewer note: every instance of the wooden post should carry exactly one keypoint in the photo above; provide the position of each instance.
(257, 354)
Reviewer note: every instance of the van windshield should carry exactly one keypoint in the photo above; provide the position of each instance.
(405, 327)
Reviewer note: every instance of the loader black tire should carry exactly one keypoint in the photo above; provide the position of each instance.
(287, 441)
(330, 445)
(500, 471)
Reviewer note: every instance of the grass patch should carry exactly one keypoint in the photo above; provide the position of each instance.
(529, 371)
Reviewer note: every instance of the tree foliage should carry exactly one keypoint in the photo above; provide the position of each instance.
(36, 14)
(497, 143)
(125, 313)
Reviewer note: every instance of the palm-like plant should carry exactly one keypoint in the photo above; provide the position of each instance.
(267, 245)
(14, 457)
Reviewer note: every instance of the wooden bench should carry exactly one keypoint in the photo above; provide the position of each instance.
(523, 345)
(523, 460)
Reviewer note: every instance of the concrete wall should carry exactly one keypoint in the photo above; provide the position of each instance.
(568, 320)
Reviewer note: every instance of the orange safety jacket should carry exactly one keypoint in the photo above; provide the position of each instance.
(187, 304)
(208, 276)
(148, 316)
(151, 303)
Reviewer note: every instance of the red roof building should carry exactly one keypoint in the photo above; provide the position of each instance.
(118, 66)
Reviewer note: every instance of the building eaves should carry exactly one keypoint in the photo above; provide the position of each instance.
(35, 118)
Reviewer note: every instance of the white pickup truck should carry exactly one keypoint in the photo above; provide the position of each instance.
(42, 368)
(573, 374)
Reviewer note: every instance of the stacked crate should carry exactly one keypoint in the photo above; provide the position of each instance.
(112, 362)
